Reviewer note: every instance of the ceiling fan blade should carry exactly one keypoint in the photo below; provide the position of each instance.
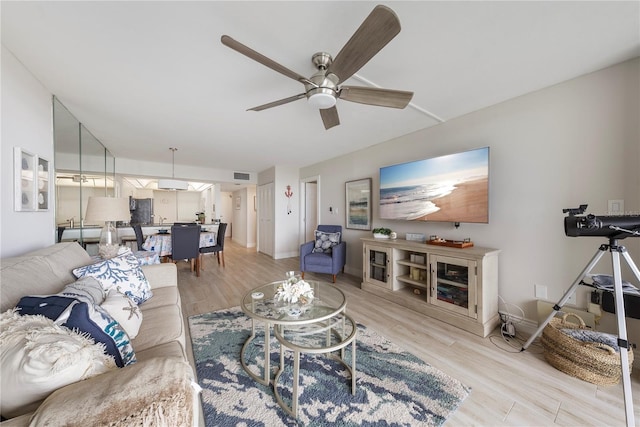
(247, 51)
(279, 102)
(378, 29)
(376, 96)
(330, 117)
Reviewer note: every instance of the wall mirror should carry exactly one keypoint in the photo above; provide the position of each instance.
(83, 168)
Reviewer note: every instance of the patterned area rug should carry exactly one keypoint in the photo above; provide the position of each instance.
(394, 388)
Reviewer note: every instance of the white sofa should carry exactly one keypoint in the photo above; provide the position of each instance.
(159, 346)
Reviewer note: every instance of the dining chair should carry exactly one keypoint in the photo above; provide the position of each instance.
(218, 249)
(137, 228)
(60, 232)
(185, 244)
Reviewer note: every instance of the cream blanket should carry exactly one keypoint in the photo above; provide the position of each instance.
(154, 392)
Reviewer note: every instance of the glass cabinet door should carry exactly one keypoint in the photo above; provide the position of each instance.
(453, 284)
(378, 266)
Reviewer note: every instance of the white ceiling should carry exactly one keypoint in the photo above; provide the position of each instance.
(146, 76)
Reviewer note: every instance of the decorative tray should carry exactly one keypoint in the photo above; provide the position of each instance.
(466, 243)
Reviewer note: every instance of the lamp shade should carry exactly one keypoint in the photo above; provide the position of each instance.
(172, 184)
(102, 209)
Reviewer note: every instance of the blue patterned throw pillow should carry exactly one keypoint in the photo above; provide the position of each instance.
(122, 272)
(75, 309)
(326, 241)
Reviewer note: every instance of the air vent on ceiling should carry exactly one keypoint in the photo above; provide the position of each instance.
(240, 175)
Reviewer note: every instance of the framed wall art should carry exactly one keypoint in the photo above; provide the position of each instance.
(358, 204)
(25, 180)
(42, 184)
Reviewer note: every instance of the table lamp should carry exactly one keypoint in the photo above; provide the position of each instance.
(109, 210)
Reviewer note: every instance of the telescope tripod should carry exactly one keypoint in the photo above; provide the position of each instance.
(615, 251)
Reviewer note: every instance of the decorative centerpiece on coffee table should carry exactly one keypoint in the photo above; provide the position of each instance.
(294, 290)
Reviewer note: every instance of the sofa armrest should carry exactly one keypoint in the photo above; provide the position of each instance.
(161, 275)
(152, 392)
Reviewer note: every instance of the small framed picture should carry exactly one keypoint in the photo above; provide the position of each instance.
(358, 204)
(42, 184)
(238, 203)
(25, 179)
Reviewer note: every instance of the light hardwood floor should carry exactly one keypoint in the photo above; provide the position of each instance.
(509, 387)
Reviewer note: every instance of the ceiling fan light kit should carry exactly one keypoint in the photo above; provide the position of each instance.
(323, 89)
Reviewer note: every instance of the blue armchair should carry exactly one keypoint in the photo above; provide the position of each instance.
(326, 254)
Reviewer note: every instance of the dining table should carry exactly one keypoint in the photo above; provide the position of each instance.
(161, 242)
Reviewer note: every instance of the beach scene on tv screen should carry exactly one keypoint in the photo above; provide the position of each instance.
(452, 188)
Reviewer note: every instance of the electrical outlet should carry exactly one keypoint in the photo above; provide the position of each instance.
(541, 291)
(616, 207)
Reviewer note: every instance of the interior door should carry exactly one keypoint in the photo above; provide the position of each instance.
(266, 208)
(310, 210)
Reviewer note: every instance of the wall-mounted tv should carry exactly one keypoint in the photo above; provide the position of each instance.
(453, 188)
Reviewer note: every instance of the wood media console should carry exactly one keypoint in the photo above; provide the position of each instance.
(456, 285)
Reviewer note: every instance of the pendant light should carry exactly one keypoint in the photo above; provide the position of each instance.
(172, 184)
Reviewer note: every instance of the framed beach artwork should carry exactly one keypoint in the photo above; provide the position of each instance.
(449, 188)
(358, 204)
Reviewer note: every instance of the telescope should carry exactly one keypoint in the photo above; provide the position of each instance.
(610, 226)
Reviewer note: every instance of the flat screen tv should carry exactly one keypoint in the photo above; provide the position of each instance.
(452, 188)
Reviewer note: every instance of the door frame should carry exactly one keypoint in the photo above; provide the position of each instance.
(303, 207)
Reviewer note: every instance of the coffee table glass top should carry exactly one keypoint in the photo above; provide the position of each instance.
(260, 304)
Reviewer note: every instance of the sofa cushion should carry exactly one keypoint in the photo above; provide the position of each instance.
(318, 260)
(26, 275)
(325, 241)
(161, 325)
(161, 275)
(125, 311)
(168, 349)
(63, 258)
(122, 272)
(37, 357)
(162, 296)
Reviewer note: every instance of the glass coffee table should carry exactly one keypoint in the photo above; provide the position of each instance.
(260, 305)
(321, 337)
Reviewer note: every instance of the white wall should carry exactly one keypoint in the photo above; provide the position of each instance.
(26, 123)
(244, 217)
(287, 212)
(576, 142)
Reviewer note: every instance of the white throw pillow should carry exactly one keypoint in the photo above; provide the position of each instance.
(124, 310)
(122, 272)
(37, 357)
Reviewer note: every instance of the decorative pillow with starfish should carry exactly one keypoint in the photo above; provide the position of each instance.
(124, 310)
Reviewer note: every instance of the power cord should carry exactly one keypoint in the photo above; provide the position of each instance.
(510, 341)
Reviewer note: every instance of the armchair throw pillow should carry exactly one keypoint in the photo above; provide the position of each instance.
(325, 241)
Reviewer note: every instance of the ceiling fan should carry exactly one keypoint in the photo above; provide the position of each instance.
(324, 87)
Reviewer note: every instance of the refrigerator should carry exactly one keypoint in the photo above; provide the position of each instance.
(141, 211)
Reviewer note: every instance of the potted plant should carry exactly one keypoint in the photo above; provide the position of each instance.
(381, 233)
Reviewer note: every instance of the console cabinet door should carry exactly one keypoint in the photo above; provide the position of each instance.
(377, 266)
(454, 284)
